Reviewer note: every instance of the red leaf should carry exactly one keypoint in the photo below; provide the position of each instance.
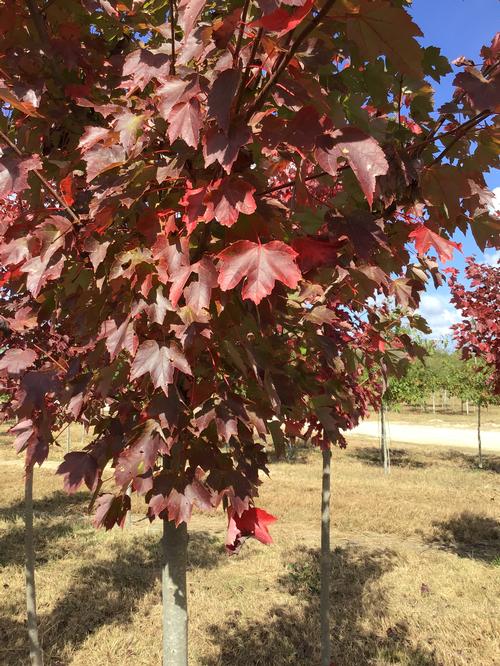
(282, 21)
(313, 253)
(217, 146)
(260, 265)
(142, 66)
(232, 196)
(17, 360)
(119, 338)
(111, 510)
(68, 189)
(364, 154)
(185, 122)
(100, 159)
(189, 10)
(159, 362)
(251, 523)
(14, 173)
(79, 467)
(483, 93)
(221, 97)
(425, 238)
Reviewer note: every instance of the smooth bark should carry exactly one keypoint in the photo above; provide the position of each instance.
(174, 593)
(325, 561)
(384, 445)
(36, 655)
(479, 435)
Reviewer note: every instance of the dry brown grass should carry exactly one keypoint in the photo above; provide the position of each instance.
(451, 416)
(414, 577)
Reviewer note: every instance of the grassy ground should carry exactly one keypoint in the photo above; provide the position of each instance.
(415, 573)
(451, 416)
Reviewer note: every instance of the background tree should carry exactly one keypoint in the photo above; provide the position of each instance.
(154, 284)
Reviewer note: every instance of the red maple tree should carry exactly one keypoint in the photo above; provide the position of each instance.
(206, 197)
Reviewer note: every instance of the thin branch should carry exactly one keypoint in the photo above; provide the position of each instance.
(241, 31)
(400, 99)
(172, 34)
(305, 32)
(465, 128)
(248, 68)
(40, 26)
(42, 179)
(49, 355)
(290, 183)
(487, 72)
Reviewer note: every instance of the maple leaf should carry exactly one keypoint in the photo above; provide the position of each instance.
(128, 125)
(260, 265)
(185, 122)
(425, 238)
(483, 93)
(174, 91)
(253, 522)
(189, 10)
(159, 362)
(142, 66)
(379, 28)
(91, 136)
(282, 21)
(79, 467)
(224, 148)
(363, 153)
(17, 360)
(230, 197)
(120, 337)
(67, 187)
(100, 159)
(221, 95)
(313, 253)
(111, 510)
(14, 173)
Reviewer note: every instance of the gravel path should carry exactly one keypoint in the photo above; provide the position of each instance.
(439, 436)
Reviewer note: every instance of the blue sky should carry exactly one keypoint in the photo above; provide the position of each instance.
(458, 27)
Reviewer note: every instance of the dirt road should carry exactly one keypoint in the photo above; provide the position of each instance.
(423, 434)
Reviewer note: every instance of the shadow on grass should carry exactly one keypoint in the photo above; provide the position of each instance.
(290, 635)
(106, 590)
(469, 535)
(491, 462)
(399, 458)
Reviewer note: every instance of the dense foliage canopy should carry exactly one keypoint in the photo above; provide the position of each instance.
(200, 199)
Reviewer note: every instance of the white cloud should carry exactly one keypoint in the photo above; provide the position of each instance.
(440, 313)
(491, 256)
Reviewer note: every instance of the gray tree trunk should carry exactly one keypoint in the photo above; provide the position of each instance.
(433, 402)
(325, 563)
(174, 593)
(479, 435)
(36, 655)
(384, 444)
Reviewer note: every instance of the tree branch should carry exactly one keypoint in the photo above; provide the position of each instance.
(241, 31)
(305, 32)
(41, 28)
(246, 73)
(172, 34)
(462, 130)
(290, 183)
(42, 179)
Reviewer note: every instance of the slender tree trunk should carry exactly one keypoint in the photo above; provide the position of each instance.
(174, 592)
(383, 439)
(467, 407)
(433, 402)
(36, 655)
(68, 439)
(324, 611)
(129, 514)
(479, 435)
